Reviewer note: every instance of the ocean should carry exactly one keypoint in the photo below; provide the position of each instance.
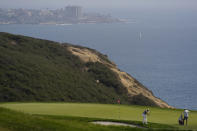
(161, 56)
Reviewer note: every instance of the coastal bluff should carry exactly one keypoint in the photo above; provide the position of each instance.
(134, 88)
(42, 70)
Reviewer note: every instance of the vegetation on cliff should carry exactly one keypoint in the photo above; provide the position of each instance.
(41, 70)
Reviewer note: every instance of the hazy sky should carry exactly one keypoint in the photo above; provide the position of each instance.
(123, 4)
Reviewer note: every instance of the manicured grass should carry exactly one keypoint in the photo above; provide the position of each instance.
(105, 111)
(17, 121)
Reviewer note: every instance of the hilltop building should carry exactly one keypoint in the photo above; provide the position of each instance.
(74, 11)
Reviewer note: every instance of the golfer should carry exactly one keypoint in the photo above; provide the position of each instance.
(186, 115)
(144, 114)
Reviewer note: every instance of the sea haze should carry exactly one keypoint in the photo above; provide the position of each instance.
(158, 47)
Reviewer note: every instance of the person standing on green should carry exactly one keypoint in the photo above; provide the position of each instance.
(186, 115)
(144, 114)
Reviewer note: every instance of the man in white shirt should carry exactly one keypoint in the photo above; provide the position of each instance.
(186, 115)
(144, 114)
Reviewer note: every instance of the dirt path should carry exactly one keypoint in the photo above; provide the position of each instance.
(109, 123)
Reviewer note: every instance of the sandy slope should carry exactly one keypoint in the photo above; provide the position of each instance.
(132, 85)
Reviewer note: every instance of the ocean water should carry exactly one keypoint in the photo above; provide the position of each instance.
(163, 57)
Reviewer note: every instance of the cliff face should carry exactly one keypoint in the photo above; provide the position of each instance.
(133, 87)
(40, 70)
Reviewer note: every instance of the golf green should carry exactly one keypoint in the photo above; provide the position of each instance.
(107, 111)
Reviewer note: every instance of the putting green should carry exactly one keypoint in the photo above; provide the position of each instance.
(107, 111)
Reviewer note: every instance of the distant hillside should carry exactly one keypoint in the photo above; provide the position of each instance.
(40, 70)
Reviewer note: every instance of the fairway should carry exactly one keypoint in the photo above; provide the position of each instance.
(106, 111)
